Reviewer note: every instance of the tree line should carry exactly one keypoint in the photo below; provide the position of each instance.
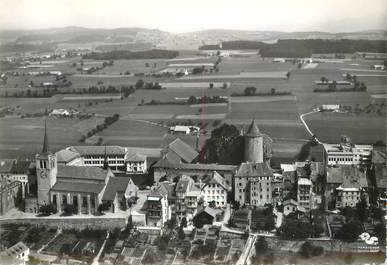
(303, 48)
(116, 55)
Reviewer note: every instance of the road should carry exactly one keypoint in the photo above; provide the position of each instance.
(306, 125)
(246, 251)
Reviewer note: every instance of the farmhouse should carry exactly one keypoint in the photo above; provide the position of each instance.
(60, 112)
(378, 67)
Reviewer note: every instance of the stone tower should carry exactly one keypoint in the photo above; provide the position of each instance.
(46, 171)
(254, 152)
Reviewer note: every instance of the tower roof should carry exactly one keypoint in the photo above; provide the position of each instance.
(253, 130)
(45, 149)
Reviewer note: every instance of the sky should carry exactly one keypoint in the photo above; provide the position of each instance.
(179, 16)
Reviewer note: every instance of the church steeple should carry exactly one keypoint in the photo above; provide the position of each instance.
(45, 149)
(105, 161)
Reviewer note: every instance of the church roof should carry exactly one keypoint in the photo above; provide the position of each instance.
(253, 130)
(85, 173)
(253, 170)
(78, 187)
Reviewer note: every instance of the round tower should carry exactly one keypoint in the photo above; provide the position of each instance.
(253, 144)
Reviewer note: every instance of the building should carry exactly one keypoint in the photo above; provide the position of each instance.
(346, 153)
(252, 184)
(180, 129)
(291, 206)
(378, 67)
(18, 252)
(179, 152)
(119, 190)
(165, 169)
(60, 112)
(304, 193)
(252, 181)
(17, 170)
(215, 190)
(183, 186)
(83, 187)
(347, 197)
(158, 209)
(136, 164)
(95, 156)
(9, 195)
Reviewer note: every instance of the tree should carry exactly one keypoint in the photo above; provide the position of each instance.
(272, 91)
(350, 231)
(46, 210)
(362, 209)
(295, 229)
(261, 246)
(139, 84)
(250, 91)
(181, 233)
(380, 232)
(103, 208)
(306, 250)
(69, 209)
(183, 222)
(123, 204)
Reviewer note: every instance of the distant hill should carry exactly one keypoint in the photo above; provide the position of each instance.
(167, 40)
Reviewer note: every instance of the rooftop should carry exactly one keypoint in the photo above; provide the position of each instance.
(253, 170)
(164, 163)
(115, 184)
(85, 173)
(86, 187)
(253, 130)
(304, 181)
(66, 155)
(16, 249)
(183, 150)
(348, 174)
(136, 158)
(216, 178)
(98, 150)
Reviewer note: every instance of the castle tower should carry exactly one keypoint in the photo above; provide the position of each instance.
(46, 171)
(253, 144)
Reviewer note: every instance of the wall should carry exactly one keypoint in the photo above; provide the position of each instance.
(70, 223)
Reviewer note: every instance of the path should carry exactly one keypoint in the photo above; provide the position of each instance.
(58, 232)
(306, 125)
(96, 258)
(246, 251)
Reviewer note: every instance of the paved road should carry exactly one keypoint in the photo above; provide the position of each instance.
(306, 125)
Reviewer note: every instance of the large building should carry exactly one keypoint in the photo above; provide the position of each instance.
(347, 153)
(252, 181)
(83, 187)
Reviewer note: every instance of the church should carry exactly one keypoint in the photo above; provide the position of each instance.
(83, 187)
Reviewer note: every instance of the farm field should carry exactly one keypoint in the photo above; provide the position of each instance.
(277, 116)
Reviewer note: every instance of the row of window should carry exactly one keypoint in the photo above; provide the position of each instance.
(215, 191)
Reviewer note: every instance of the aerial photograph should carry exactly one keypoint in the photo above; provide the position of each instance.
(195, 132)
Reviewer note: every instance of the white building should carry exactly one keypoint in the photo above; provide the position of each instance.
(215, 190)
(378, 67)
(304, 193)
(18, 252)
(158, 209)
(346, 153)
(347, 197)
(180, 129)
(60, 112)
(136, 164)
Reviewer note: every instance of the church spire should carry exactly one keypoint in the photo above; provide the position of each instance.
(45, 149)
(105, 161)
